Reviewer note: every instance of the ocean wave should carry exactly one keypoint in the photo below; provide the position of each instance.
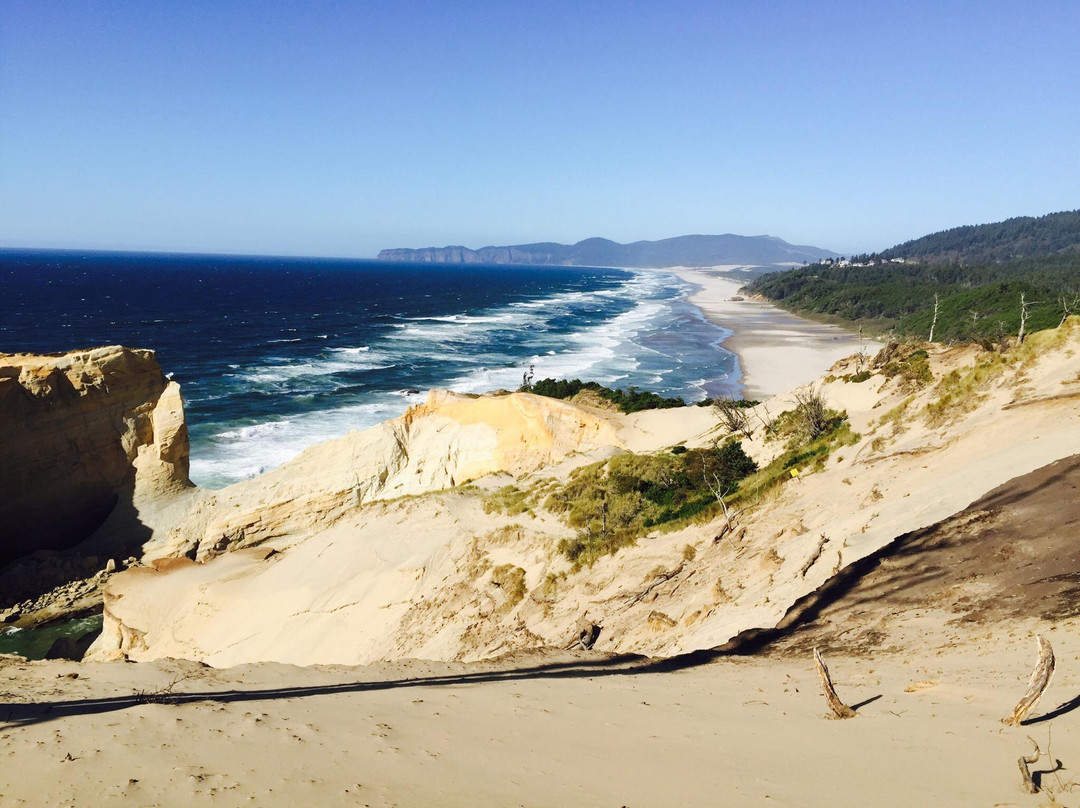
(354, 350)
(237, 453)
(639, 333)
(605, 353)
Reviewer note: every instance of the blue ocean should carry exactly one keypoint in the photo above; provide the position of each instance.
(277, 354)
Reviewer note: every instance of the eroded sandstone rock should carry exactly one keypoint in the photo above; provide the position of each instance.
(72, 427)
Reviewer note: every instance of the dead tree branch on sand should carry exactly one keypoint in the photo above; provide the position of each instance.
(816, 555)
(839, 709)
(1025, 763)
(716, 488)
(1036, 786)
(1037, 684)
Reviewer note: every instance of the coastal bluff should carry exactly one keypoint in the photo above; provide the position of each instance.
(439, 534)
(79, 433)
(432, 536)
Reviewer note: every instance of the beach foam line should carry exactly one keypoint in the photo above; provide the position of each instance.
(237, 453)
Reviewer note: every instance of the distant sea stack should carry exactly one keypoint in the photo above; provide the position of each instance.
(688, 251)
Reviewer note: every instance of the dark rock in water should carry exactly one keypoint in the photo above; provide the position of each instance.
(73, 648)
(412, 391)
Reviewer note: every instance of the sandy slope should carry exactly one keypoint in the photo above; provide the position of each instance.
(551, 729)
(933, 643)
(536, 731)
(418, 577)
(1010, 556)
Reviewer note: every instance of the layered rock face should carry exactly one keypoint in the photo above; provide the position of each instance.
(74, 429)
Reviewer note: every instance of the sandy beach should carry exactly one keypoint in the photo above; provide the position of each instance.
(777, 350)
(541, 730)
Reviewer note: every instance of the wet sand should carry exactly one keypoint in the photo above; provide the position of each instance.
(777, 350)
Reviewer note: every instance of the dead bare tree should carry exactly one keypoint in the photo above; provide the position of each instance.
(1025, 763)
(1025, 304)
(716, 488)
(933, 323)
(767, 419)
(1036, 686)
(734, 417)
(839, 709)
(1068, 307)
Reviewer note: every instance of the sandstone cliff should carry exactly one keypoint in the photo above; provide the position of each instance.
(80, 433)
(324, 561)
(448, 441)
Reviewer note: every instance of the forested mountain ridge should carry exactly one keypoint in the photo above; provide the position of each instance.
(1019, 237)
(694, 251)
(974, 302)
(984, 281)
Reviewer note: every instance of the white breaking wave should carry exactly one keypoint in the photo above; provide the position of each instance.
(610, 352)
(239, 453)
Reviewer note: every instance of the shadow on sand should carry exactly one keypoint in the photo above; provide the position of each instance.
(13, 715)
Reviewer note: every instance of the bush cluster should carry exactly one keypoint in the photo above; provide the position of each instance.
(629, 400)
(614, 502)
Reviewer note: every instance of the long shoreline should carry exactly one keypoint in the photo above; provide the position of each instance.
(777, 350)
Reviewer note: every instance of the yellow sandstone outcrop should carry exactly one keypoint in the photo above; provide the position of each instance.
(79, 434)
(447, 441)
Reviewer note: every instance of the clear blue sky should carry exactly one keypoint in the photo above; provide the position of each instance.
(339, 128)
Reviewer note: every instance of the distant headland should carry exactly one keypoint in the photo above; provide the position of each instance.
(689, 251)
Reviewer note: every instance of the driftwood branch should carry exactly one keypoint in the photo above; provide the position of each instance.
(1025, 763)
(587, 634)
(839, 709)
(815, 556)
(1037, 684)
(662, 578)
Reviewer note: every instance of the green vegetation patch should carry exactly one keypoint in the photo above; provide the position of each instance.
(629, 400)
(976, 303)
(913, 368)
(801, 454)
(615, 502)
(509, 500)
(960, 391)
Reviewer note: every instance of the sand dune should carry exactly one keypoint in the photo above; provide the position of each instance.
(540, 730)
(417, 577)
(924, 557)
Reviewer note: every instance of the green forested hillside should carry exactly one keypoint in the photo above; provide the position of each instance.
(975, 302)
(1020, 237)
